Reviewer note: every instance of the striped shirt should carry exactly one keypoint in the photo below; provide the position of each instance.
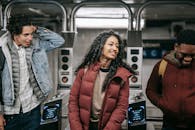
(26, 99)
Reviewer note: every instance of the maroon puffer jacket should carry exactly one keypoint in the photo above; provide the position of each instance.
(176, 97)
(115, 102)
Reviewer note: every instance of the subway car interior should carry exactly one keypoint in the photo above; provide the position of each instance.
(147, 27)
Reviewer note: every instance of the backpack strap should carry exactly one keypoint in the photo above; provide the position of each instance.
(162, 68)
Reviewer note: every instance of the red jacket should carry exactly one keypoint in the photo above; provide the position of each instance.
(115, 103)
(177, 99)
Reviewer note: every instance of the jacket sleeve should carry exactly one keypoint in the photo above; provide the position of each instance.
(73, 106)
(48, 39)
(154, 86)
(120, 112)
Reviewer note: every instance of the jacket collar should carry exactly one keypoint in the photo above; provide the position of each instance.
(170, 57)
(121, 72)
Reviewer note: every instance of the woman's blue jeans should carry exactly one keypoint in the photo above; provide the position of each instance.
(24, 121)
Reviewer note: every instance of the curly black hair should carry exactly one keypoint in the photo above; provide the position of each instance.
(95, 52)
(186, 36)
(17, 22)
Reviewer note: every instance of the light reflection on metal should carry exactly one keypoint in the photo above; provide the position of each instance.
(38, 11)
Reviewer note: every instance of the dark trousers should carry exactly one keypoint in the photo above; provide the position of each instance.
(24, 121)
(171, 128)
(93, 126)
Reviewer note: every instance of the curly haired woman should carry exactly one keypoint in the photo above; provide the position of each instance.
(99, 95)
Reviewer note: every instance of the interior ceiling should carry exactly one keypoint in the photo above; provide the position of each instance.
(152, 12)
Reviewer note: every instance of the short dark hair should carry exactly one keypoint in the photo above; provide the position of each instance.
(186, 36)
(17, 22)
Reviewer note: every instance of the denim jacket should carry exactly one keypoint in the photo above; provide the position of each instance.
(44, 41)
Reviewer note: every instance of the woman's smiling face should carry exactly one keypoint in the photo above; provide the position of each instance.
(110, 48)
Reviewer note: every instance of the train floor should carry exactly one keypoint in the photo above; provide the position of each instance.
(149, 126)
(64, 125)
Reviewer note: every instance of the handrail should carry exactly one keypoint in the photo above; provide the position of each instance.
(85, 3)
(138, 16)
(9, 5)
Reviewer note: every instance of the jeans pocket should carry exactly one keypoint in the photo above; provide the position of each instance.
(11, 119)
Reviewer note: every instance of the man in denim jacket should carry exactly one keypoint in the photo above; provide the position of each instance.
(25, 78)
